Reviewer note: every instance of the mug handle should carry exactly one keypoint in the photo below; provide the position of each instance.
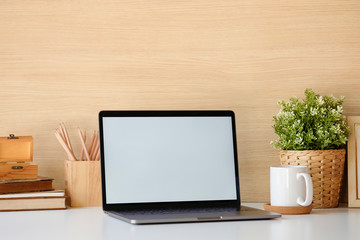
(309, 190)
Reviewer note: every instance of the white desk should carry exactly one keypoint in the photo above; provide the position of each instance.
(92, 223)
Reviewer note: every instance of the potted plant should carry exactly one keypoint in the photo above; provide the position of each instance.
(313, 132)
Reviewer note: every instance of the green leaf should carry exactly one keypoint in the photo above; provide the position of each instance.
(314, 123)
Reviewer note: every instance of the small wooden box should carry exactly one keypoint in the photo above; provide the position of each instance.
(16, 155)
(83, 183)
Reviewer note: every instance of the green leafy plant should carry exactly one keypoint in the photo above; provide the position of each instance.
(315, 123)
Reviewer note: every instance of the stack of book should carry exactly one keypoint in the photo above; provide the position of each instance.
(20, 186)
(30, 194)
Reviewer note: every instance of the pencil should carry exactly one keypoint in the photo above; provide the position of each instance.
(97, 158)
(63, 142)
(92, 142)
(83, 145)
(66, 148)
(82, 149)
(66, 136)
(60, 131)
(94, 146)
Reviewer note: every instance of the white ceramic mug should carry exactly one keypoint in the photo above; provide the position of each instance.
(290, 185)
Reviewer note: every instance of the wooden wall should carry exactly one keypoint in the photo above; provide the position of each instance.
(63, 61)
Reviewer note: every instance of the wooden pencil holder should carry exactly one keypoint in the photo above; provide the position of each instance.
(83, 183)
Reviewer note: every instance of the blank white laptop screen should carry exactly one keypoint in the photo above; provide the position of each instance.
(168, 159)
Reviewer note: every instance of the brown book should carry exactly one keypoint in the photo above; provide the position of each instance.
(32, 203)
(25, 185)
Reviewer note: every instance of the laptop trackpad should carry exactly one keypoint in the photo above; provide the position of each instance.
(210, 218)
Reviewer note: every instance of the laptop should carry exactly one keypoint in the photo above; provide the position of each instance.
(171, 167)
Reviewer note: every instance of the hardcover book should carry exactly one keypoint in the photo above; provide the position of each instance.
(25, 185)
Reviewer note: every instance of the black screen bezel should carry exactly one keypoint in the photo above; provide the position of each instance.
(167, 113)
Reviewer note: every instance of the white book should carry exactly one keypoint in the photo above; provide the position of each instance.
(54, 193)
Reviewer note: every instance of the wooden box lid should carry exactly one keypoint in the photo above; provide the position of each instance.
(16, 148)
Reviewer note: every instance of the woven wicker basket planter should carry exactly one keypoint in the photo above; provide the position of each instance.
(326, 168)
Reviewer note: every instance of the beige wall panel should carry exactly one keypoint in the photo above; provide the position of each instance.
(63, 61)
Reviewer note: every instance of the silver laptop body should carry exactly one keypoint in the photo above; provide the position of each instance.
(171, 166)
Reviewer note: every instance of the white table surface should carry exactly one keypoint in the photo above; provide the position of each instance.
(92, 223)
